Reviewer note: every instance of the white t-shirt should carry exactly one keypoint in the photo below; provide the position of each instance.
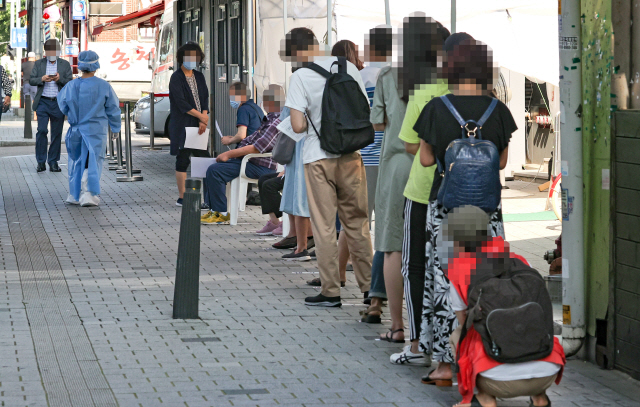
(370, 73)
(508, 371)
(305, 95)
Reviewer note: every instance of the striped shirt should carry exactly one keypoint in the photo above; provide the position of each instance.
(371, 153)
(51, 88)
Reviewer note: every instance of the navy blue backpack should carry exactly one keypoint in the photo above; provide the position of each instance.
(471, 169)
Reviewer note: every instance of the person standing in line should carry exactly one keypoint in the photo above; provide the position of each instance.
(335, 183)
(5, 88)
(417, 88)
(91, 106)
(189, 101)
(469, 72)
(50, 75)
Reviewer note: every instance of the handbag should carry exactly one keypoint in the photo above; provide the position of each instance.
(283, 149)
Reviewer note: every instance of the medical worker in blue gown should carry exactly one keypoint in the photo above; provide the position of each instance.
(90, 105)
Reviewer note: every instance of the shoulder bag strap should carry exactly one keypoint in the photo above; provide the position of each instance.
(487, 113)
(258, 110)
(318, 69)
(453, 110)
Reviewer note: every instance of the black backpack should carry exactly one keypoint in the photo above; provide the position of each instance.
(345, 112)
(510, 307)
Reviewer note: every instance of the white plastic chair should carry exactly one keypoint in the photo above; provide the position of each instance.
(237, 189)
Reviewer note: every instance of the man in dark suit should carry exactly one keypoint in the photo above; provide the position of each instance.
(49, 74)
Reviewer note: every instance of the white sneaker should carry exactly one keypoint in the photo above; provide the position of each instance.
(406, 357)
(88, 199)
(71, 200)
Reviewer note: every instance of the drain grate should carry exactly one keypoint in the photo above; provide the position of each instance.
(235, 392)
(210, 339)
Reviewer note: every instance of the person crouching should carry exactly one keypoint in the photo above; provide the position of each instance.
(504, 345)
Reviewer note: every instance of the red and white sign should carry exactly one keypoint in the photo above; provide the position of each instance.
(128, 62)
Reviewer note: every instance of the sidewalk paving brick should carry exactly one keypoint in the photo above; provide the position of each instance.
(118, 266)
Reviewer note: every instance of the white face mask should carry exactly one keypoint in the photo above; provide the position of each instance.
(52, 58)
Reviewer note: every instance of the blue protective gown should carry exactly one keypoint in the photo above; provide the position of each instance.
(90, 106)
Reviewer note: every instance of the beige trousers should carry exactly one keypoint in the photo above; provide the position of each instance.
(505, 389)
(339, 185)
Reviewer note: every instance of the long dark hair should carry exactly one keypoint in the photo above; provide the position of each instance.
(347, 49)
(421, 41)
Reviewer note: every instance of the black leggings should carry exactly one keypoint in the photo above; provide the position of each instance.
(270, 186)
(413, 262)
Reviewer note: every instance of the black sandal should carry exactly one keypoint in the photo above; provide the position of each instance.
(370, 318)
(388, 337)
(443, 383)
(317, 283)
(475, 402)
(533, 405)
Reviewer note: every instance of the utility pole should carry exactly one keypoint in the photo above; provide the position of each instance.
(573, 270)
(36, 29)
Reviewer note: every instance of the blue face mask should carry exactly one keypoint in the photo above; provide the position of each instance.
(190, 65)
(52, 58)
(235, 104)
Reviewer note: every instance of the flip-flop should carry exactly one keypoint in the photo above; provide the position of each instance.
(372, 318)
(441, 383)
(533, 405)
(475, 402)
(389, 336)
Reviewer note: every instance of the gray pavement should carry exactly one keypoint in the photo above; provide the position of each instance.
(85, 306)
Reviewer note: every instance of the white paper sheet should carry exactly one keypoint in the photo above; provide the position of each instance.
(195, 140)
(199, 166)
(285, 127)
(218, 129)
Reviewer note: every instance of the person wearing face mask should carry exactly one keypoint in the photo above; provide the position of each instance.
(189, 104)
(249, 116)
(90, 105)
(49, 75)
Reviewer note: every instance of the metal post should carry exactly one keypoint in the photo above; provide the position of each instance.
(185, 294)
(28, 132)
(453, 16)
(573, 273)
(111, 153)
(127, 134)
(329, 23)
(108, 153)
(152, 123)
(387, 13)
(119, 164)
(36, 27)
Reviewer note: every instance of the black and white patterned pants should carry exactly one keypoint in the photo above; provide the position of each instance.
(438, 318)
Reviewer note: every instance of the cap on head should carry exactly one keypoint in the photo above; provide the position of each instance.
(31, 55)
(465, 224)
(88, 61)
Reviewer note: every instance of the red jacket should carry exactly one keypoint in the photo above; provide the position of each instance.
(472, 358)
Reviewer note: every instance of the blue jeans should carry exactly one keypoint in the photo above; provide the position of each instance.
(377, 277)
(48, 110)
(219, 174)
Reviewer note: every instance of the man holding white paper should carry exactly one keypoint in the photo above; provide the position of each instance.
(228, 164)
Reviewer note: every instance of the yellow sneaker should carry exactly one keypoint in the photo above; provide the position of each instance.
(215, 219)
(207, 216)
(223, 219)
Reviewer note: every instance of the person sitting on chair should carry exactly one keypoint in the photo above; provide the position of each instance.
(227, 166)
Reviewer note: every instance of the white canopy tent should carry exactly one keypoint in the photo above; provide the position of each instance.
(523, 34)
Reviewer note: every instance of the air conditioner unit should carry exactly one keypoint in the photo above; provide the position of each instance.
(105, 9)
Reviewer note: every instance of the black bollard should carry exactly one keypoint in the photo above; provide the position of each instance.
(28, 133)
(185, 294)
